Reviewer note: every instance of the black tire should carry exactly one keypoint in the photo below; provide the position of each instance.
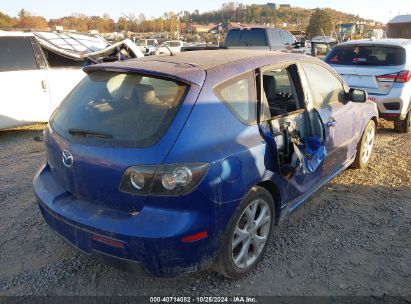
(225, 264)
(403, 126)
(360, 161)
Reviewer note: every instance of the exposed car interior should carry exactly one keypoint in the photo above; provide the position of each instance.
(279, 92)
(280, 104)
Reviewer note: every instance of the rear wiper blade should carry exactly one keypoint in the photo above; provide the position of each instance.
(87, 133)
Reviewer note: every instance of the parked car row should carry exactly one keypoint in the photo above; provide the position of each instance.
(151, 46)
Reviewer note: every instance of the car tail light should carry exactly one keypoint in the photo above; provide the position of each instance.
(401, 77)
(175, 179)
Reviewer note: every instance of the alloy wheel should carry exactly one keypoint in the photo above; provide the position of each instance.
(251, 233)
(368, 145)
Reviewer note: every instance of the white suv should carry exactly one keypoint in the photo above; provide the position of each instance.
(383, 68)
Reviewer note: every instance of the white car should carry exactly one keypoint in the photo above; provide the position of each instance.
(38, 70)
(173, 45)
(383, 68)
(31, 90)
(148, 46)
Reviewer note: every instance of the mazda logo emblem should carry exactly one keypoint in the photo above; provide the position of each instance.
(67, 158)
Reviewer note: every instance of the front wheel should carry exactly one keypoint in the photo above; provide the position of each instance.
(403, 126)
(365, 146)
(246, 239)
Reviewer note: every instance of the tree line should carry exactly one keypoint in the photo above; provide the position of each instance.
(292, 18)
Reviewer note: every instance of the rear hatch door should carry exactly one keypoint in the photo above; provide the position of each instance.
(111, 121)
(361, 65)
(367, 77)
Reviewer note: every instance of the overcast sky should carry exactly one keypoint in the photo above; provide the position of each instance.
(369, 9)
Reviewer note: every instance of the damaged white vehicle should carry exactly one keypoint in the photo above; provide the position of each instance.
(38, 69)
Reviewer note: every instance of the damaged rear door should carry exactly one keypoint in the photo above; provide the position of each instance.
(295, 132)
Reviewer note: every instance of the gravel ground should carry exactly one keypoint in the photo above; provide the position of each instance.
(351, 238)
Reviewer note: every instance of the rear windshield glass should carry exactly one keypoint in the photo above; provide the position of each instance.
(117, 109)
(252, 37)
(366, 55)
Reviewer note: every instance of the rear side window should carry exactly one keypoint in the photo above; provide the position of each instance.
(251, 37)
(325, 87)
(116, 109)
(16, 54)
(239, 95)
(367, 55)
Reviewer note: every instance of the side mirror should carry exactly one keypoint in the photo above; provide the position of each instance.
(299, 44)
(357, 95)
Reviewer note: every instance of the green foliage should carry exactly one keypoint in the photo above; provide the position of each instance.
(320, 23)
(6, 21)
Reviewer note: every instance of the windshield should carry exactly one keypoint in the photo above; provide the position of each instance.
(247, 37)
(367, 55)
(345, 28)
(118, 109)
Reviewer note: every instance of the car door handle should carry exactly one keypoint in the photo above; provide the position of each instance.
(44, 85)
(331, 123)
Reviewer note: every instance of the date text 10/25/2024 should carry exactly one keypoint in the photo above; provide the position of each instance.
(205, 299)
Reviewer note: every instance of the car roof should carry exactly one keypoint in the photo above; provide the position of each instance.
(385, 41)
(15, 34)
(191, 67)
(207, 59)
(400, 19)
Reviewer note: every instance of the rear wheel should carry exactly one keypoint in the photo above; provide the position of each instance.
(246, 239)
(365, 146)
(403, 126)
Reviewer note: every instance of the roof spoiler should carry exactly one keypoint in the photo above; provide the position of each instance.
(143, 71)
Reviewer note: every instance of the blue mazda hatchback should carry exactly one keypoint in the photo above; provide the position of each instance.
(178, 163)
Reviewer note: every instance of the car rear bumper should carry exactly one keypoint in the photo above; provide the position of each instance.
(394, 105)
(151, 239)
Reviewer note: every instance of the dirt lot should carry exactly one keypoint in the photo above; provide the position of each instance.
(352, 238)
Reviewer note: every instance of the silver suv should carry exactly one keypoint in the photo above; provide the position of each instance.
(383, 68)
